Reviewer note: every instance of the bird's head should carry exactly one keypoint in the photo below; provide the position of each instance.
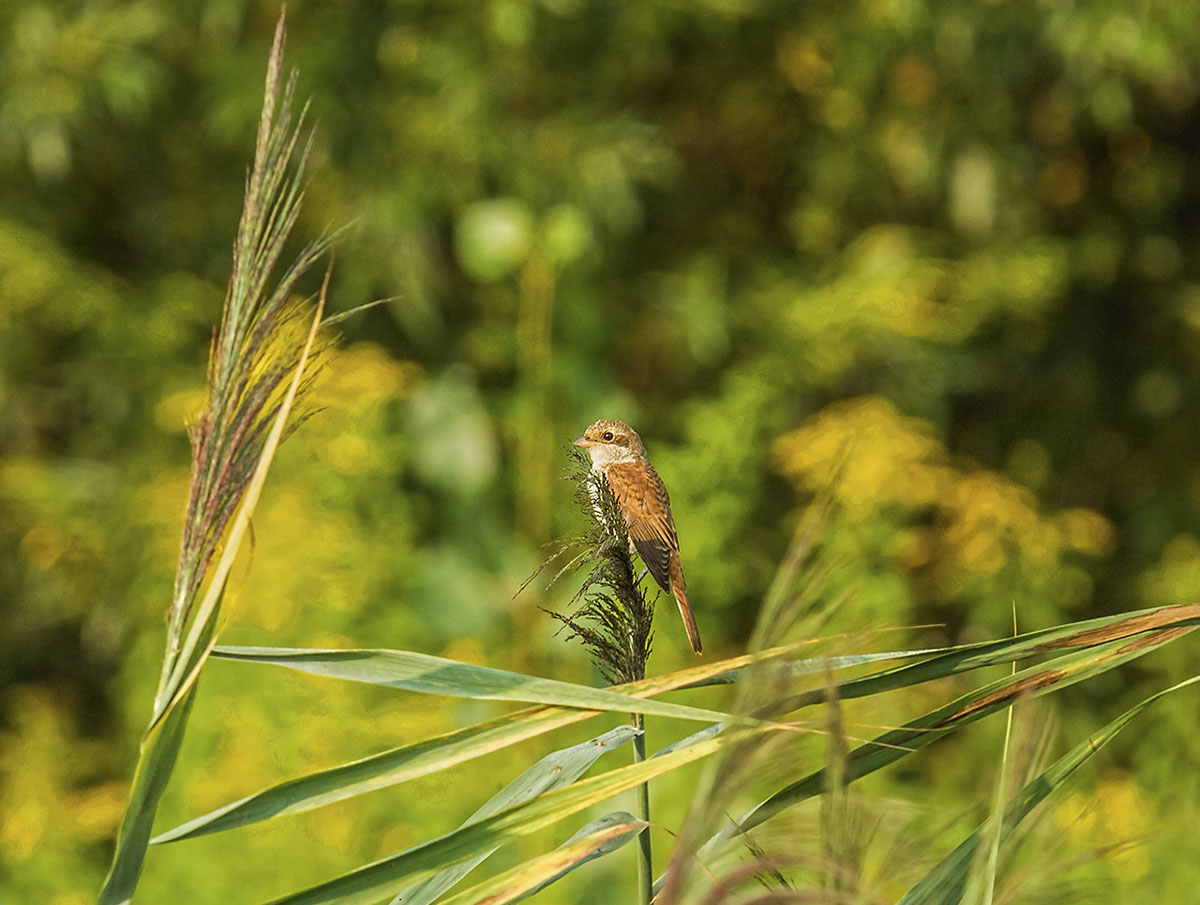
(611, 442)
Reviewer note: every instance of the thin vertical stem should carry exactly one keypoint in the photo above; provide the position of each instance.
(996, 820)
(645, 862)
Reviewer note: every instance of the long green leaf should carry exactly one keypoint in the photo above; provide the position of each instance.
(817, 665)
(379, 770)
(429, 756)
(156, 761)
(555, 770)
(160, 745)
(944, 884)
(160, 748)
(994, 653)
(600, 837)
(889, 747)
(428, 674)
(411, 761)
(374, 881)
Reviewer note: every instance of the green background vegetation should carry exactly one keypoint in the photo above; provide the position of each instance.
(951, 249)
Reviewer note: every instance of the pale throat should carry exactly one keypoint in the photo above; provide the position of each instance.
(605, 455)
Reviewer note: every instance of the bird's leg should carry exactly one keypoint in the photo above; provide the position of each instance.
(640, 577)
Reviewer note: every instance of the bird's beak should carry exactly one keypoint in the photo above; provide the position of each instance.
(584, 442)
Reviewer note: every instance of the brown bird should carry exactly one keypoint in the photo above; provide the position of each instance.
(619, 456)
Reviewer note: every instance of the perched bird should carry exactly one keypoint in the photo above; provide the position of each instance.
(619, 456)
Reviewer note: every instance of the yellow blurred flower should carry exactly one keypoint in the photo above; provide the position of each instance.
(97, 810)
(22, 826)
(351, 454)
(1088, 531)
(71, 898)
(883, 456)
(44, 769)
(362, 376)
(875, 460)
(1118, 814)
(465, 650)
(1176, 575)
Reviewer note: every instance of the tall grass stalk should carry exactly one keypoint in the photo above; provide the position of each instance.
(259, 363)
(645, 855)
(613, 619)
(255, 351)
(996, 820)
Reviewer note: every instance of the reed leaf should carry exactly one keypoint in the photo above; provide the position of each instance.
(1054, 675)
(423, 758)
(555, 770)
(408, 762)
(599, 837)
(427, 674)
(944, 885)
(160, 748)
(386, 877)
(1123, 626)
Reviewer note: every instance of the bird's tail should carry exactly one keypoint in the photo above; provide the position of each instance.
(679, 590)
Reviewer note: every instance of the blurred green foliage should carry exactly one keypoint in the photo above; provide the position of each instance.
(942, 255)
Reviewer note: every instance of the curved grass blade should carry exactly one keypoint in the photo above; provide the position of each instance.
(374, 881)
(255, 370)
(967, 657)
(409, 762)
(889, 747)
(378, 771)
(557, 769)
(423, 758)
(428, 674)
(159, 751)
(944, 885)
(810, 665)
(600, 837)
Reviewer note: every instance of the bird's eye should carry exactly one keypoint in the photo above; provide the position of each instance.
(608, 435)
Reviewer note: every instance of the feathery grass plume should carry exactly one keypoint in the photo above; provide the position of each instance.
(255, 350)
(612, 617)
(258, 365)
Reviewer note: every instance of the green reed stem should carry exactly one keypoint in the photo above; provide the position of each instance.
(645, 862)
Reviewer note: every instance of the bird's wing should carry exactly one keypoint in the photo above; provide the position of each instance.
(643, 499)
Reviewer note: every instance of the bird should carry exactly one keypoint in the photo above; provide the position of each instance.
(619, 457)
